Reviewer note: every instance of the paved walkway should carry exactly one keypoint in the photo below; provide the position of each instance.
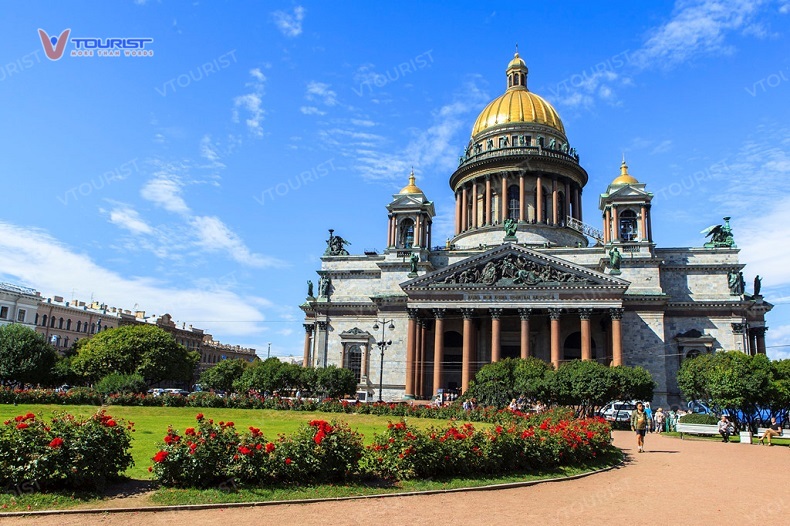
(674, 482)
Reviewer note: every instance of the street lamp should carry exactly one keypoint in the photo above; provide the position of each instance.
(383, 344)
(269, 351)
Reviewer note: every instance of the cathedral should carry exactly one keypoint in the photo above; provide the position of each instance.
(524, 274)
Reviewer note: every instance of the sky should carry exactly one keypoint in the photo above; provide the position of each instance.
(200, 178)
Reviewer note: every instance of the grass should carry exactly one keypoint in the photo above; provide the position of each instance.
(734, 438)
(151, 425)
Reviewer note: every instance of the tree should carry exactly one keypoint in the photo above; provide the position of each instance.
(633, 383)
(221, 376)
(693, 377)
(494, 384)
(135, 349)
(583, 385)
(122, 383)
(335, 382)
(25, 356)
(531, 378)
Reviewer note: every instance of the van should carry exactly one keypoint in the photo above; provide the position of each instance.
(618, 411)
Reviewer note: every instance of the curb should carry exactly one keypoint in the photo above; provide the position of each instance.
(195, 507)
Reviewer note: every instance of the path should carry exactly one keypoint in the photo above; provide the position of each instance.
(680, 482)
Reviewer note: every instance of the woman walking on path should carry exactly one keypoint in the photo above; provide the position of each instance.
(660, 418)
(640, 423)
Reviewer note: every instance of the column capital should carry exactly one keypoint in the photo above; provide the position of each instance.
(524, 314)
(737, 328)
(468, 314)
(585, 314)
(759, 331)
(555, 314)
(413, 313)
(439, 313)
(616, 313)
(321, 325)
(308, 328)
(495, 313)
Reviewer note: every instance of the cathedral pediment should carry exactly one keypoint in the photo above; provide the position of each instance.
(512, 266)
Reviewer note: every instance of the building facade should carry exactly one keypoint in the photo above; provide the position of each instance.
(64, 323)
(524, 275)
(18, 305)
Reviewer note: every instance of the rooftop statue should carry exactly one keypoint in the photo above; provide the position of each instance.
(335, 245)
(614, 260)
(758, 283)
(720, 235)
(511, 226)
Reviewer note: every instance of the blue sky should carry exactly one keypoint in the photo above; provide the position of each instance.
(201, 181)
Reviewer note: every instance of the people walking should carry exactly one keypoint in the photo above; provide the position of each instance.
(640, 423)
(659, 419)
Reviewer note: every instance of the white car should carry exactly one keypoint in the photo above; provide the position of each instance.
(618, 411)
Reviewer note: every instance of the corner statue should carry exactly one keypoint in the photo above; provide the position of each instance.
(413, 260)
(720, 235)
(309, 288)
(511, 226)
(614, 260)
(758, 282)
(335, 245)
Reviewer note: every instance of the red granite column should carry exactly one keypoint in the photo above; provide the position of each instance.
(438, 349)
(487, 218)
(617, 336)
(760, 331)
(503, 201)
(457, 213)
(308, 332)
(643, 224)
(555, 314)
(607, 227)
(554, 201)
(421, 359)
(616, 227)
(474, 204)
(584, 315)
(524, 314)
(496, 348)
(522, 216)
(411, 345)
(564, 220)
(464, 210)
(539, 199)
(417, 232)
(468, 346)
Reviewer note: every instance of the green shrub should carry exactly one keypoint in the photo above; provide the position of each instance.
(122, 384)
(694, 418)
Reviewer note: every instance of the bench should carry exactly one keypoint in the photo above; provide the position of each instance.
(696, 429)
(761, 431)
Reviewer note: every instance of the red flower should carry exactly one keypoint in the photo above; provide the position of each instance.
(161, 456)
(19, 418)
(319, 436)
(110, 423)
(56, 442)
(22, 425)
(199, 416)
(30, 416)
(190, 431)
(150, 469)
(287, 460)
(270, 447)
(7, 422)
(244, 450)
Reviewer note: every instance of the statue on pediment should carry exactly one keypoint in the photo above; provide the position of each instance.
(511, 226)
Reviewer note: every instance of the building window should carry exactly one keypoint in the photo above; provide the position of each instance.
(20, 315)
(407, 233)
(66, 342)
(79, 325)
(68, 324)
(3, 312)
(628, 229)
(513, 204)
(44, 320)
(36, 322)
(60, 323)
(52, 322)
(353, 360)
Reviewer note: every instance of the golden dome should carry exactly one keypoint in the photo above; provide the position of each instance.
(411, 188)
(625, 177)
(517, 104)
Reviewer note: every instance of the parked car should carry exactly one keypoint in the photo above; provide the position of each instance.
(176, 392)
(156, 391)
(618, 411)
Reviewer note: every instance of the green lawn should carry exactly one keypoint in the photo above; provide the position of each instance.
(151, 423)
(734, 438)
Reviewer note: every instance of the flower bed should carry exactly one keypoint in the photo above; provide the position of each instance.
(65, 452)
(327, 452)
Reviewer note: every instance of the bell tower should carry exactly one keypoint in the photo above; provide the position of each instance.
(626, 211)
(410, 219)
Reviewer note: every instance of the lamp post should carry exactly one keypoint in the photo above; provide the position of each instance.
(269, 351)
(383, 344)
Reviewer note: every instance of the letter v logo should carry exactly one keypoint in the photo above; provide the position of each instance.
(54, 46)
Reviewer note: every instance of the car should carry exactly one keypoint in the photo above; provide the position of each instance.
(156, 391)
(618, 411)
(176, 392)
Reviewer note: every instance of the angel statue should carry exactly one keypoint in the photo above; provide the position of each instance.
(720, 235)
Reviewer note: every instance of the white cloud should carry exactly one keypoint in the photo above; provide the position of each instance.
(289, 25)
(311, 110)
(251, 103)
(212, 235)
(165, 191)
(698, 27)
(34, 258)
(208, 150)
(321, 92)
(129, 219)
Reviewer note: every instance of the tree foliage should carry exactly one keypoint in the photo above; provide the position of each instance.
(221, 376)
(122, 384)
(25, 356)
(135, 349)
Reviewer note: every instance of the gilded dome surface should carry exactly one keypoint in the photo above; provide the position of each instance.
(516, 105)
(625, 177)
(411, 188)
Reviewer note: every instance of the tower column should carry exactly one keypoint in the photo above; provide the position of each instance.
(760, 332)
(617, 336)
(503, 200)
(308, 333)
(474, 204)
(643, 223)
(524, 314)
(554, 201)
(649, 224)
(457, 213)
(555, 314)
(411, 346)
(417, 232)
(488, 203)
(464, 211)
(564, 220)
(466, 358)
(607, 227)
(521, 193)
(438, 348)
(584, 316)
(496, 349)
(422, 328)
(539, 199)
(575, 202)
(615, 225)
(580, 218)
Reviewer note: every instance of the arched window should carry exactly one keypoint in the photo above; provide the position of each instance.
(52, 322)
(353, 360)
(79, 325)
(68, 324)
(66, 342)
(628, 229)
(60, 323)
(513, 203)
(44, 320)
(407, 233)
(36, 322)
(561, 212)
(547, 202)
